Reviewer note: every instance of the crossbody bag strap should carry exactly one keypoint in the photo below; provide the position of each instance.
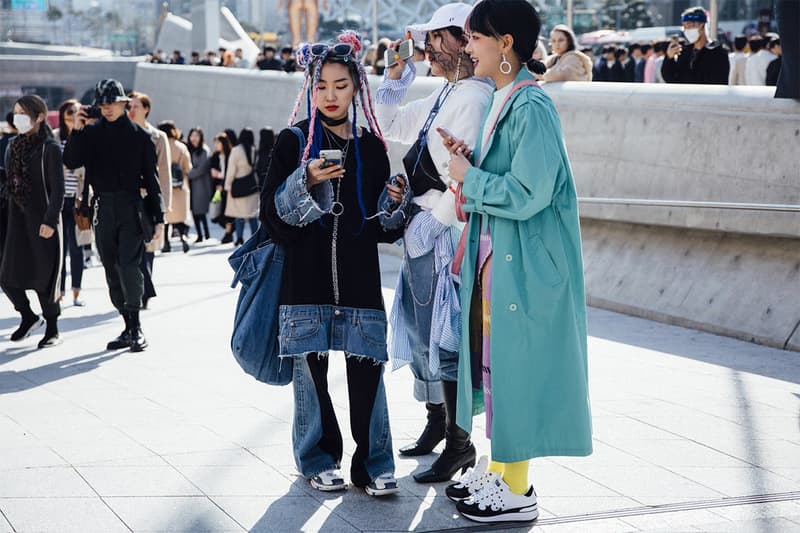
(300, 137)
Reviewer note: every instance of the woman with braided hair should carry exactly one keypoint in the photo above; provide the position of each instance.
(324, 216)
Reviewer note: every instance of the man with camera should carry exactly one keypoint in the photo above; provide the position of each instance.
(120, 160)
(699, 61)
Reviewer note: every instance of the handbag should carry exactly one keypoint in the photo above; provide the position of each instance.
(258, 266)
(244, 186)
(177, 175)
(82, 222)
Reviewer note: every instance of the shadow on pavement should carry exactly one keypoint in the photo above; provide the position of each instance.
(17, 381)
(692, 344)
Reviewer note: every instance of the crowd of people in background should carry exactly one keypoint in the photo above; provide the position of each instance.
(754, 60)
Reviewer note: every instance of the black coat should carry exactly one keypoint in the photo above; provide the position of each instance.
(773, 72)
(710, 66)
(118, 156)
(30, 261)
(603, 72)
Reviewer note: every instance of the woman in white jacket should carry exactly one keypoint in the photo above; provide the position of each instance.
(424, 318)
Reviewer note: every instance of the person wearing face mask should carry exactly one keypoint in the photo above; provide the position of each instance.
(426, 296)
(120, 161)
(701, 60)
(35, 195)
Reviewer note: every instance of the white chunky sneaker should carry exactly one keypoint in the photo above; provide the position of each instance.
(382, 485)
(328, 481)
(471, 482)
(496, 503)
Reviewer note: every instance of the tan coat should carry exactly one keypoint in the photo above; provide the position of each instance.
(163, 165)
(180, 212)
(246, 206)
(571, 66)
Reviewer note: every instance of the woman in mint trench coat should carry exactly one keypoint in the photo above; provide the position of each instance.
(524, 191)
(521, 196)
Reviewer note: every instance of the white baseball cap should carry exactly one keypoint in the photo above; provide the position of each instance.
(455, 14)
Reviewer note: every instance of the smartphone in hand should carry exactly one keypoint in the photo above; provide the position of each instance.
(330, 157)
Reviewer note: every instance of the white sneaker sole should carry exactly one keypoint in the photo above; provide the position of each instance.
(381, 492)
(328, 488)
(518, 516)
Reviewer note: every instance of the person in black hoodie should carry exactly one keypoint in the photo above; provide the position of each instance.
(120, 161)
(700, 61)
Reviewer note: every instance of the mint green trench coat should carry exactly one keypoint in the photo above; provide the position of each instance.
(524, 191)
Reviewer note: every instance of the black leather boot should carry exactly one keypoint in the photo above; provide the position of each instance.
(433, 433)
(124, 338)
(138, 342)
(459, 453)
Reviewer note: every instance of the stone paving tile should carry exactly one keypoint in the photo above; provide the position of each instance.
(231, 457)
(391, 513)
(789, 510)
(677, 521)
(556, 480)
(61, 515)
(170, 439)
(168, 514)
(5, 527)
(763, 525)
(671, 453)
(579, 504)
(287, 513)
(43, 482)
(239, 480)
(28, 457)
(138, 481)
(737, 481)
(649, 485)
(595, 526)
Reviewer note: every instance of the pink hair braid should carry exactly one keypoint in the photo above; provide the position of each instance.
(312, 120)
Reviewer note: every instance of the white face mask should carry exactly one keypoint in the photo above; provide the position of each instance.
(23, 123)
(691, 34)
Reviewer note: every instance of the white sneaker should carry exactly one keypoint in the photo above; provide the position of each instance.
(496, 503)
(382, 485)
(471, 482)
(328, 481)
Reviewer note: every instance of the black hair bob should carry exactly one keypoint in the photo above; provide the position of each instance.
(517, 18)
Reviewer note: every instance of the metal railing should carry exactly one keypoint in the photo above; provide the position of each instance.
(786, 208)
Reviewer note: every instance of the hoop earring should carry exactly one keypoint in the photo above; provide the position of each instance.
(506, 64)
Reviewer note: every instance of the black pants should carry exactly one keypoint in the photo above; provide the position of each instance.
(146, 266)
(201, 223)
(119, 239)
(363, 376)
(70, 247)
(50, 310)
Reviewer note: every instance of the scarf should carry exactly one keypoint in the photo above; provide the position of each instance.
(19, 174)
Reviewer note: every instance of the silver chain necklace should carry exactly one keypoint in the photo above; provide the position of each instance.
(337, 208)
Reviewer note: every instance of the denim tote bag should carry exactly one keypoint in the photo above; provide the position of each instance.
(258, 265)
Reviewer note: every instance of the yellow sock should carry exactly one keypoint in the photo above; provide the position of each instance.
(496, 467)
(516, 476)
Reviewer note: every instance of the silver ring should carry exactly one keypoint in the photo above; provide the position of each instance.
(337, 208)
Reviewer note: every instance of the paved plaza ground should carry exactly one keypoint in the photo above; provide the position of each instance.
(692, 432)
